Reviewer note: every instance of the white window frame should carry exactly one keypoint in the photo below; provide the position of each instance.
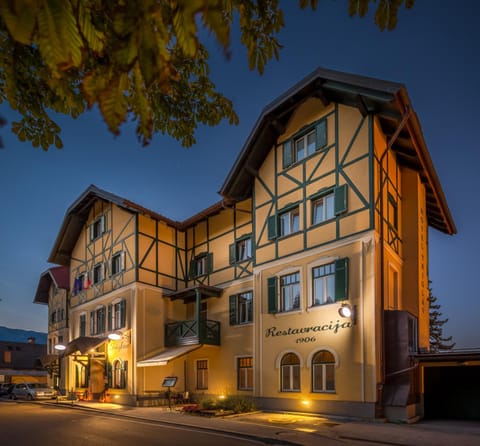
(327, 203)
(283, 308)
(323, 279)
(293, 370)
(244, 373)
(289, 222)
(117, 263)
(247, 306)
(244, 249)
(98, 273)
(306, 151)
(324, 367)
(97, 228)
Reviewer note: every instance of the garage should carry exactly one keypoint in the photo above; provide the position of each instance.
(451, 385)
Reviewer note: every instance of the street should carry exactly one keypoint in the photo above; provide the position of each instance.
(24, 423)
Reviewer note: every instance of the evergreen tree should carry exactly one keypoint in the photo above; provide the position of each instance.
(437, 341)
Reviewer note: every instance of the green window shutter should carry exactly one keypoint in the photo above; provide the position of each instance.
(209, 262)
(123, 313)
(91, 232)
(232, 253)
(272, 294)
(92, 322)
(109, 317)
(192, 271)
(321, 133)
(233, 310)
(287, 153)
(272, 227)
(341, 279)
(341, 199)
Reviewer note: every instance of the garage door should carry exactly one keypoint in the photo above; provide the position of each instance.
(452, 392)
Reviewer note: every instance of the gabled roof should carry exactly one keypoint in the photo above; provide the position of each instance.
(58, 275)
(387, 100)
(77, 215)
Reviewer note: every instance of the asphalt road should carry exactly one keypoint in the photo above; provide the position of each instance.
(33, 424)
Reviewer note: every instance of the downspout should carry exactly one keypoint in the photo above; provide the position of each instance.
(390, 143)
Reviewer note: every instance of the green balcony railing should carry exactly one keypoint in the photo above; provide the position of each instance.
(192, 332)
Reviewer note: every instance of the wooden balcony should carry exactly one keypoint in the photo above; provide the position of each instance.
(192, 332)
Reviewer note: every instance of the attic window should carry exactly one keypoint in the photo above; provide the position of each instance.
(97, 228)
(305, 143)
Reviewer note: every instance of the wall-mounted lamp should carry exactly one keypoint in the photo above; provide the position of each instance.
(114, 336)
(118, 335)
(59, 347)
(348, 311)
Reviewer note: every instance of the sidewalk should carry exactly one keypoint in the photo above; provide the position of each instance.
(301, 429)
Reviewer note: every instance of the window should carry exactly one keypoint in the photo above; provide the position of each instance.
(290, 292)
(201, 265)
(241, 308)
(117, 263)
(392, 212)
(98, 273)
(289, 298)
(241, 250)
(323, 372)
(97, 228)
(117, 315)
(329, 203)
(202, 374)
(119, 374)
(285, 223)
(82, 325)
(289, 222)
(290, 373)
(323, 284)
(245, 373)
(97, 321)
(305, 144)
(323, 208)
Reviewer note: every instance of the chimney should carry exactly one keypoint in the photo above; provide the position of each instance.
(31, 340)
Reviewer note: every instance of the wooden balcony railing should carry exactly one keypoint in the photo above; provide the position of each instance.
(192, 332)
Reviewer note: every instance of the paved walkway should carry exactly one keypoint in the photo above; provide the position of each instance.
(301, 429)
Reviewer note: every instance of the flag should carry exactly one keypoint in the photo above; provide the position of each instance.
(87, 282)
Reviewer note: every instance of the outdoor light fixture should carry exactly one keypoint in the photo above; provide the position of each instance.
(59, 347)
(345, 310)
(348, 311)
(115, 336)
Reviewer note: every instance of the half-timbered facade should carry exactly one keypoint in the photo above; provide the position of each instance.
(304, 287)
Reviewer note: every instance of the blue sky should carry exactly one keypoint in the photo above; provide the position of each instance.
(433, 51)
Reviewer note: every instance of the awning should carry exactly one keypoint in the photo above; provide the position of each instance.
(168, 355)
(83, 344)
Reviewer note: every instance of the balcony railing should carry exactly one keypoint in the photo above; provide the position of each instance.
(192, 332)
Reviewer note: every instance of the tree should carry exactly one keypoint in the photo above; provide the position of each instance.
(437, 341)
(139, 60)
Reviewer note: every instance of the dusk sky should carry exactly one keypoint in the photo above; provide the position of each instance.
(434, 52)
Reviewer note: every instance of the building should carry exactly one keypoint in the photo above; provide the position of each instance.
(21, 362)
(53, 290)
(305, 287)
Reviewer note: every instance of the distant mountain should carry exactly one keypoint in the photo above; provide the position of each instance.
(19, 335)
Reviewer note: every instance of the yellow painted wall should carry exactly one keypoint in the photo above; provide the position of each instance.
(352, 344)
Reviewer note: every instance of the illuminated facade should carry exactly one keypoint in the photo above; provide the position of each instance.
(326, 208)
